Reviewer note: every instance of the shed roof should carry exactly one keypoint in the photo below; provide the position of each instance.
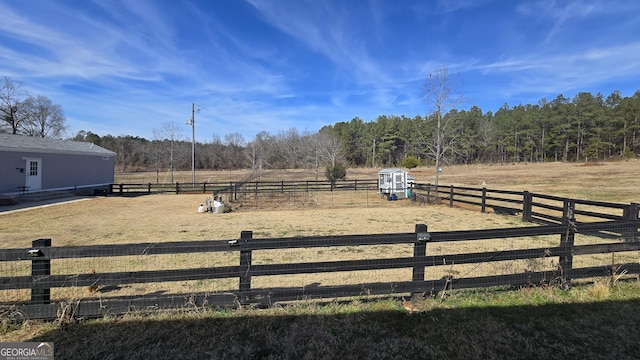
(9, 142)
(391, 170)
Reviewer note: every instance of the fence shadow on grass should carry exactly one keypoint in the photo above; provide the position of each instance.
(381, 330)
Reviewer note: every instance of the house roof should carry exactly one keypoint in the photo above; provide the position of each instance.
(22, 143)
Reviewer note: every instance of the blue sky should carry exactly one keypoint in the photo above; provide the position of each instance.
(125, 67)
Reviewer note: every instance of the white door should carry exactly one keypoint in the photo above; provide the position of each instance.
(34, 174)
(399, 183)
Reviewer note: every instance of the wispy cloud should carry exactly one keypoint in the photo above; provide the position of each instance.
(332, 31)
(552, 74)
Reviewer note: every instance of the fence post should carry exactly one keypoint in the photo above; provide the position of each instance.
(40, 268)
(419, 253)
(177, 188)
(149, 188)
(255, 193)
(527, 203)
(631, 214)
(451, 196)
(567, 241)
(121, 188)
(484, 200)
(245, 266)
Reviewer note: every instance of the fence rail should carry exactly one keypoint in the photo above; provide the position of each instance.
(422, 280)
(533, 207)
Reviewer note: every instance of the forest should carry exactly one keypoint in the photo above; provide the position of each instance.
(584, 128)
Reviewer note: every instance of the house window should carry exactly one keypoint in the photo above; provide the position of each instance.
(33, 168)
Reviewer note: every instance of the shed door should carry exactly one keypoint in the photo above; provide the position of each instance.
(399, 183)
(33, 171)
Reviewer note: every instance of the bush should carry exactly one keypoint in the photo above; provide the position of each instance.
(335, 172)
(411, 162)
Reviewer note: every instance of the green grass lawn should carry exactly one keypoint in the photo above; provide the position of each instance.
(590, 321)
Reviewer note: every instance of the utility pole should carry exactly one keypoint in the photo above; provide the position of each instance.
(192, 122)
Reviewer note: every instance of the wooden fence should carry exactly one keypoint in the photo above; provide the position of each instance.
(424, 279)
(538, 208)
(244, 189)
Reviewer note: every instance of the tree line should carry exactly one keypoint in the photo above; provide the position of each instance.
(168, 151)
(586, 128)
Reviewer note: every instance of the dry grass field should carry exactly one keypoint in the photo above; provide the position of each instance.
(605, 181)
(170, 217)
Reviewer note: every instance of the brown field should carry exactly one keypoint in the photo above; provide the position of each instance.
(170, 217)
(609, 181)
(605, 181)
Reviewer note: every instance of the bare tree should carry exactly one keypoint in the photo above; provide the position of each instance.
(234, 143)
(42, 117)
(217, 156)
(156, 152)
(9, 104)
(438, 94)
(290, 147)
(257, 152)
(170, 132)
(328, 149)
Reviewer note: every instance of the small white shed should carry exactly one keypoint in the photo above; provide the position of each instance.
(394, 181)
